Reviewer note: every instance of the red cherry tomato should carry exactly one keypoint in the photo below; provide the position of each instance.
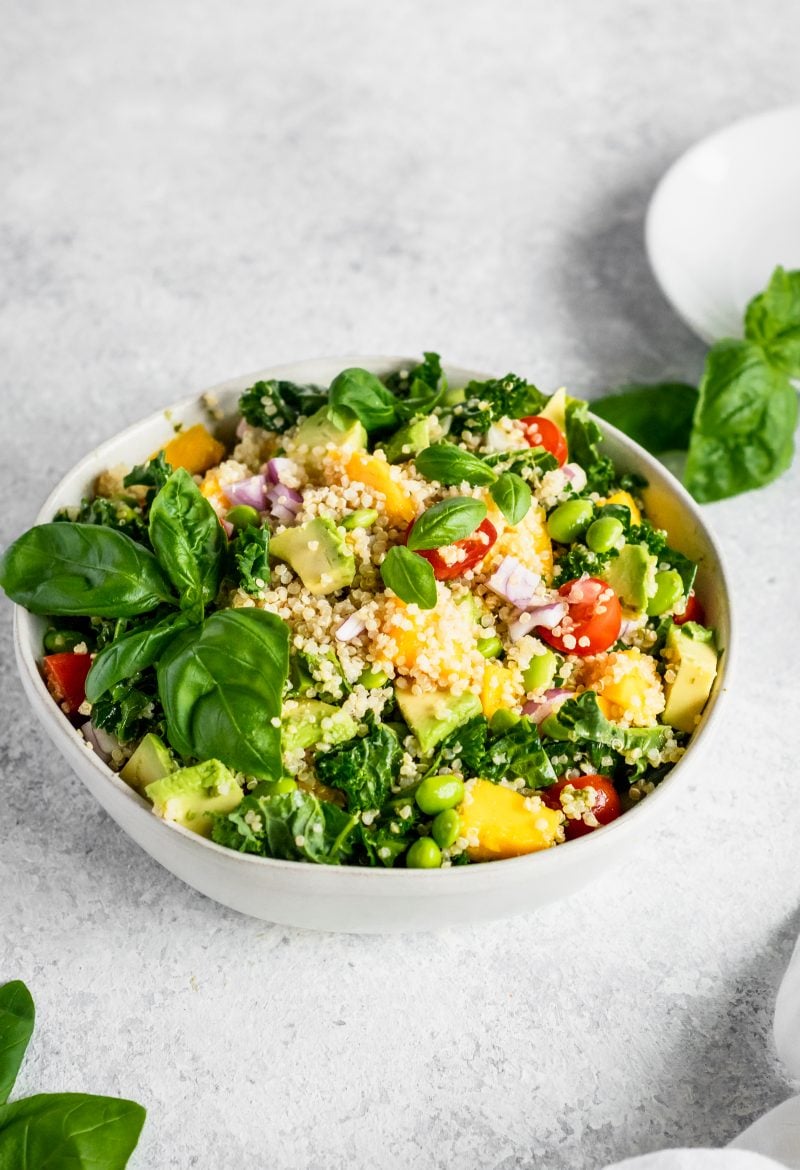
(65, 675)
(540, 432)
(606, 806)
(694, 611)
(475, 548)
(593, 620)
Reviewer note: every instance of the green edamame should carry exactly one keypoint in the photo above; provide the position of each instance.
(62, 641)
(540, 672)
(490, 647)
(437, 793)
(276, 787)
(566, 522)
(361, 518)
(669, 591)
(243, 516)
(503, 720)
(446, 828)
(424, 854)
(373, 680)
(604, 534)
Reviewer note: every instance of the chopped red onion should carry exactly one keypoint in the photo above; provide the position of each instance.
(351, 628)
(102, 743)
(241, 428)
(514, 582)
(229, 529)
(576, 475)
(250, 492)
(284, 502)
(274, 469)
(537, 712)
(549, 615)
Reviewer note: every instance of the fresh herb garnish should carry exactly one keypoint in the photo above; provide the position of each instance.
(410, 577)
(444, 523)
(188, 540)
(451, 465)
(658, 417)
(512, 496)
(365, 396)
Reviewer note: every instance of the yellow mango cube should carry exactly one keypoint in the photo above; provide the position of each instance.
(194, 449)
(376, 473)
(500, 822)
(627, 686)
(627, 500)
(501, 689)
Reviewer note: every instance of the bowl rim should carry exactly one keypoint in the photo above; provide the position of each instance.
(452, 879)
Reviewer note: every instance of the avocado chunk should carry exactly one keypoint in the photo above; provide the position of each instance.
(319, 555)
(556, 410)
(691, 654)
(434, 715)
(190, 796)
(150, 762)
(408, 441)
(310, 723)
(319, 430)
(632, 576)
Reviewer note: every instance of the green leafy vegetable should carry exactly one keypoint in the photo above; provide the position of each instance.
(153, 474)
(251, 557)
(410, 577)
(293, 826)
(446, 522)
(518, 753)
(744, 425)
(129, 708)
(512, 496)
(82, 569)
(584, 439)
(577, 559)
(419, 389)
(530, 458)
(772, 320)
(16, 1028)
(658, 416)
(130, 654)
(188, 540)
(450, 465)
(365, 396)
(277, 405)
(486, 402)
(581, 719)
(466, 744)
(221, 689)
(364, 769)
(123, 514)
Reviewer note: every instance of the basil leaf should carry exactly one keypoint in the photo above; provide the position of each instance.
(410, 577)
(366, 397)
(446, 522)
(16, 1028)
(744, 424)
(421, 390)
(449, 465)
(221, 688)
(772, 320)
(277, 405)
(658, 417)
(72, 1130)
(131, 654)
(82, 570)
(512, 496)
(188, 540)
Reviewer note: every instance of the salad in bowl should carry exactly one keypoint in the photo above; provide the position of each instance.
(391, 621)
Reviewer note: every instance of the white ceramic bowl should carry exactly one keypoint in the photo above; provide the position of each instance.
(357, 899)
(724, 216)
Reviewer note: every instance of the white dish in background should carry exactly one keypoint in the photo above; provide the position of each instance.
(724, 216)
(355, 899)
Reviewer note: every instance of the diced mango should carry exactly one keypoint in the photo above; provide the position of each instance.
(376, 473)
(194, 449)
(627, 684)
(502, 823)
(627, 500)
(528, 541)
(501, 688)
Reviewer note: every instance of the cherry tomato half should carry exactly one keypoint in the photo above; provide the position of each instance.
(65, 675)
(694, 611)
(593, 621)
(606, 806)
(540, 432)
(475, 548)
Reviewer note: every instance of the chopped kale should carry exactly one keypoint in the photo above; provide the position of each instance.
(293, 826)
(277, 405)
(486, 402)
(518, 754)
(122, 513)
(250, 552)
(364, 769)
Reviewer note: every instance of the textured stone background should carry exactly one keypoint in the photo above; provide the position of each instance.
(192, 190)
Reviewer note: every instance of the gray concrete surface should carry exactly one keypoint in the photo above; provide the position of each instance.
(192, 190)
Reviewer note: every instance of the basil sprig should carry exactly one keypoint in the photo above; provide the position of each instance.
(451, 465)
(446, 522)
(409, 576)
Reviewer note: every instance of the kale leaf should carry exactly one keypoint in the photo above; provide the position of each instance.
(518, 754)
(251, 559)
(123, 513)
(364, 769)
(276, 405)
(419, 389)
(130, 708)
(486, 402)
(293, 826)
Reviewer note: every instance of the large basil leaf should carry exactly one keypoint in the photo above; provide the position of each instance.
(744, 425)
(131, 654)
(188, 540)
(512, 496)
(294, 826)
(16, 1028)
(70, 1130)
(773, 321)
(366, 397)
(409, 576)
(444, 523)
(658, 417)
(221, 689)
(82, 570)
(364, 769)
(448, 464)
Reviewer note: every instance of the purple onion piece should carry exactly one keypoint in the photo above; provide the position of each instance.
(549, 615)
(102, 743)
(229, 529)
(251, 492)
(537, 712)
(351, 628)
(576, 475)
(275, 468)
(514, 582)
(241, 428)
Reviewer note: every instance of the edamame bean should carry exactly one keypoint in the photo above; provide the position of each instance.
(243, 516)
(424, 854)
(62, 641)
(604, 534)
(669, 591)
(277, 787)
(436, 793)
(503, 720)
(490, 647)
(446, 828)
(361, 518)
(540, 672)
(373, 680)
(569, 520)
